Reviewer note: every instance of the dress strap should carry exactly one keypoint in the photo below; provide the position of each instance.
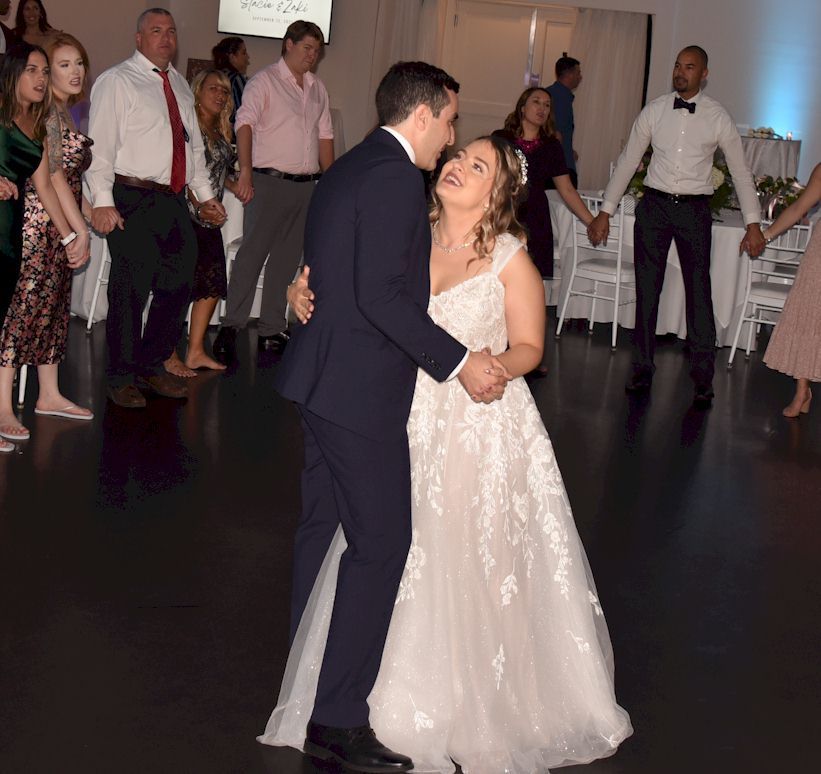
(506, 247)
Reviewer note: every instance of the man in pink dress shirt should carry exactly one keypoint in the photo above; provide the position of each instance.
(284, 143)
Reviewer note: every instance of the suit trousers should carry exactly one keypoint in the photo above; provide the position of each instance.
(364, 485)
(156, 252)
(273, 228)
(659, 221)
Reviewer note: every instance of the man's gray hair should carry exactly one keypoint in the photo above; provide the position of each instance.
(148, 12)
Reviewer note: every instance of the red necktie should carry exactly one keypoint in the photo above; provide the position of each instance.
(177, 135)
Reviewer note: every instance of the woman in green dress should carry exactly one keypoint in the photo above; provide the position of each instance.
(24, 90)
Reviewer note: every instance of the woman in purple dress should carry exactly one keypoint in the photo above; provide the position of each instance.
(530, 128)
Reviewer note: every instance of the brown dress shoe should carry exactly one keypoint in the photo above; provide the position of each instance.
(127, 396)
(167, 385)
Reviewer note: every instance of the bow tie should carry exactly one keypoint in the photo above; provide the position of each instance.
(680, 103)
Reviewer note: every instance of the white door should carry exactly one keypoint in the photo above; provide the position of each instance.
(492, 48)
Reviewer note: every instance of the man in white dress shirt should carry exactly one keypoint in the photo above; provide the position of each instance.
(147, 148)
(684, 128)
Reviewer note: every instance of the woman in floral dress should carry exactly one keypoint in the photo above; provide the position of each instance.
(35, 329)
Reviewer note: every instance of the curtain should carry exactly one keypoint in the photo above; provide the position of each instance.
(611, 48)
(396, 39)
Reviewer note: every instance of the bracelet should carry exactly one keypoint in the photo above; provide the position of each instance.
(66, 241)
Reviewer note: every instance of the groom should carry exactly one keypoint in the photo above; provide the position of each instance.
(352, 373)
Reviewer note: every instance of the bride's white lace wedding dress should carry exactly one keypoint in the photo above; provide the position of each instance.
(498, 655)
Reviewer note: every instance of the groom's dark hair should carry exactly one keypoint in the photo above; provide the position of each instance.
(409, 84)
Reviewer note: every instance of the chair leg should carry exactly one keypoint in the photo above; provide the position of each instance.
(737, 334)
(616, 298)
(753, 324)
(565, 302)
(22, 377)
(97, 285)
(592, 308)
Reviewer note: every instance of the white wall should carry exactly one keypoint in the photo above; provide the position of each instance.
(764, 59)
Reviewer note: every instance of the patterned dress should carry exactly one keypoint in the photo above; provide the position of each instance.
(36, 325)
(498, 655)
(795, 344)
(209, 275)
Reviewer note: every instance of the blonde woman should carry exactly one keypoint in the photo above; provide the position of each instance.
(212, 100)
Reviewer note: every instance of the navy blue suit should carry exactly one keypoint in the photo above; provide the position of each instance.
(352, 371)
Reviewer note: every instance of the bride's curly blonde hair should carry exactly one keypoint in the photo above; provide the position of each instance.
(509, 185)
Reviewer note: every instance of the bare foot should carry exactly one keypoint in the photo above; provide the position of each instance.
(176, 367)
(800, 405)
(201, 360)
(12, 430)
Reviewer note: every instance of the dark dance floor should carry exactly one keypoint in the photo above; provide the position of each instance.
(145, 561)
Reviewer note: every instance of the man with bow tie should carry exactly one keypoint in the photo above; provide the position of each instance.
(684, 128)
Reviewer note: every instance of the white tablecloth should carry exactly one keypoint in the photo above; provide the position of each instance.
(728, 273)
(777, 158)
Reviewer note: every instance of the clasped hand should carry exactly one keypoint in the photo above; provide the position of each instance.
(753, 242)
(78, 250)
(599, 229)
(484, 377)
(212, 212)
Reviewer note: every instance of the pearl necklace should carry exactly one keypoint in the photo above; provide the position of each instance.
(449, 250)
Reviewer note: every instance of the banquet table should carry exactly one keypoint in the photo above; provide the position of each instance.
(777, 158)
(728, 274)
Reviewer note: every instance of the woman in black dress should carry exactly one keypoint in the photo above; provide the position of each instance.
(212, 99)
(530, 127)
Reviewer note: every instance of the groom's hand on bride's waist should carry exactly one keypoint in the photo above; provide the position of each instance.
(484, 377)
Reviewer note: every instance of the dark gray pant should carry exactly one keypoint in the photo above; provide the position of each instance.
(273, 228)
(156, 252)
(658, 223)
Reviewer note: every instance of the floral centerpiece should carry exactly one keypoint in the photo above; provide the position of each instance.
(774, 194)
(723, 192)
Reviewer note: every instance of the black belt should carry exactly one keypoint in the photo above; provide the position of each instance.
(287, 175)
(676, 197)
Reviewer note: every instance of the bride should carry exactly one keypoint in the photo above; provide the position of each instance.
(498, 655)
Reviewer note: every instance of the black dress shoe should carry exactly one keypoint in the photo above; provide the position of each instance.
(639, 383)
(225, 346)
(703, 397)
(356, 749)
(275, 343)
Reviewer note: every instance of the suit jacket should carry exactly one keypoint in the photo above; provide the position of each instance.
(367, 241)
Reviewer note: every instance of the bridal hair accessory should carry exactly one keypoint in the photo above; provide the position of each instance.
(522, 166)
